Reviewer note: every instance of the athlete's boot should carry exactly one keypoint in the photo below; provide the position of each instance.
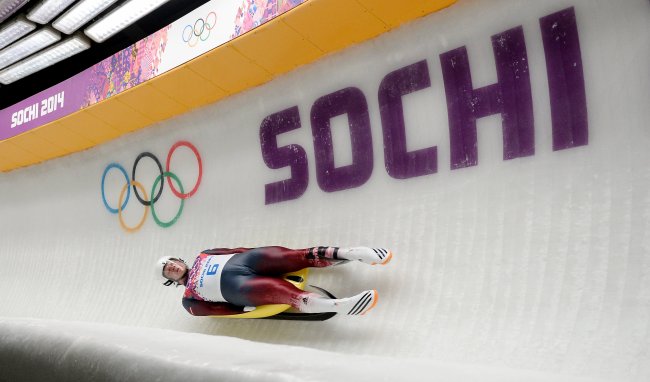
(353, 306)
(366, 255)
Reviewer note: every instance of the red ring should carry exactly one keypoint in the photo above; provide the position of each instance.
(198, 158)
(206, 20)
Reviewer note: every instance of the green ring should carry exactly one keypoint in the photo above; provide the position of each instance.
(153, 210)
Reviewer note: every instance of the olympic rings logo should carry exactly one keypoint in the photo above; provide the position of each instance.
(137, 186)
(200, 30)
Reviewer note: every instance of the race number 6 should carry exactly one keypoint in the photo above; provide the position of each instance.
(213, 269)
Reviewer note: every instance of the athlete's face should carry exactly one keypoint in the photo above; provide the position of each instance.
(174, 270)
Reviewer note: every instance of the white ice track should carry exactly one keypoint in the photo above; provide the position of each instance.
(534, 268)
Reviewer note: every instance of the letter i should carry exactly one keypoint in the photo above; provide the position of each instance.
(565, 79)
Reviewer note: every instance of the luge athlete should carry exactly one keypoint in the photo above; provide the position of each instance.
(227, 281)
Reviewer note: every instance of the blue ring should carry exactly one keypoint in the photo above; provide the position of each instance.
(128, 193)
(191, 33)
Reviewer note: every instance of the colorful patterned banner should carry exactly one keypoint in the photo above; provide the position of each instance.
(201, 30)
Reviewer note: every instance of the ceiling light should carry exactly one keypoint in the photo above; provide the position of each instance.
(30, 44)
(47, 10)
(14, 30)
(121, 17)
(80, 14)
(50, 56)
(8, 7)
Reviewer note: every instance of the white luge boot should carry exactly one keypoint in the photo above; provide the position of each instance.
(353, 306)
(366, 255)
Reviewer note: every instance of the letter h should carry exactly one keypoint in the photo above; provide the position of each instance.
(510, 96)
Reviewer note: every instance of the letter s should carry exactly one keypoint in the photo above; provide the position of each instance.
(278, 157)
(14, 122)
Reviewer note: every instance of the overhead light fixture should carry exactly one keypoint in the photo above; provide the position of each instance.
(14, 30)
(30, 44)
(121, 17)
(80, 14)
(48, 57)
(8, 7)
(47, 10)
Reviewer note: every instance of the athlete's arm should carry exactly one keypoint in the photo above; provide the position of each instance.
(209, 308)
(225, 251)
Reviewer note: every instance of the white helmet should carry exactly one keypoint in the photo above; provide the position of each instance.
(160, 267)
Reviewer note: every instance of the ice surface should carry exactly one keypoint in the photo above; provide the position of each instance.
(76, 351)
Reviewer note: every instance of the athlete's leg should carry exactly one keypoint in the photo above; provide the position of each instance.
(366, 255)
(279, 260)
(253, 290)
(262, 290)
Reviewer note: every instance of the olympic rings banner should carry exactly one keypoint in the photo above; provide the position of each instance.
(140, 191)
(200, 30)
(210, 25)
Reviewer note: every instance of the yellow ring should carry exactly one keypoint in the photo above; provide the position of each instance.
(195, 41)
(119, 208)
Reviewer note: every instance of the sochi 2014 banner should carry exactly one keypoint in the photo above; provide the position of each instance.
(201, 30)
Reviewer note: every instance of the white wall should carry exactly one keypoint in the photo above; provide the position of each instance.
(535, 263)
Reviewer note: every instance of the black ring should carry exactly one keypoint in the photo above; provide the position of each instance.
(135, 164)
(202, 26)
